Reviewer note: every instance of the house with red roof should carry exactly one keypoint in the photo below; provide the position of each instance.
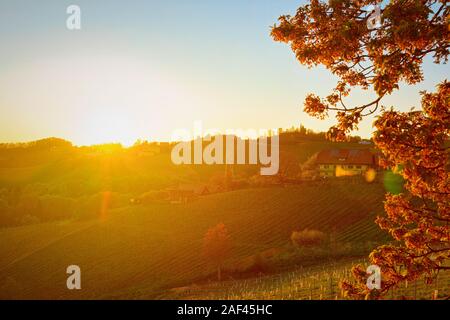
(345, 162)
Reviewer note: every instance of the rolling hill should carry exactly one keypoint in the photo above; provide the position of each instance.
(140, 251)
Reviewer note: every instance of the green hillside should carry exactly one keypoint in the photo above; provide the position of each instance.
(49, 179)
(140, 251)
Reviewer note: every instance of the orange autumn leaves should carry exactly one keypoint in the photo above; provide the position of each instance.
(418, 219)
(335, 34)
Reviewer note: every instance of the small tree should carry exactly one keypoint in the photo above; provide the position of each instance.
(216, 247)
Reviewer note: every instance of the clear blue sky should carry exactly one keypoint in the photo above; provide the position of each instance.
(141, 69)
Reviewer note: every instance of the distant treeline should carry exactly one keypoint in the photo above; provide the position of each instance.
(22, 208)
(295, 134)
(57, 143)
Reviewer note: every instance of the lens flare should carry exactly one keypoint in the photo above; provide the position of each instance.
(370, 175)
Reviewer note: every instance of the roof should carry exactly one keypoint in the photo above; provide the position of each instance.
(346, 156)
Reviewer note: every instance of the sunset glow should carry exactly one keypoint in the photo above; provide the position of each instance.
(110, 83)
(245, 152)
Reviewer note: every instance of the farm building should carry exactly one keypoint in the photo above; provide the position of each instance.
(345, 162)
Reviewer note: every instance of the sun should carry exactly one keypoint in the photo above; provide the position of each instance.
(110, 98)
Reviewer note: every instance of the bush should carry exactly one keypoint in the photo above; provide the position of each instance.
(308, 238)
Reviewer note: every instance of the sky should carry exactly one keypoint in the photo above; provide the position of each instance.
(145, 69)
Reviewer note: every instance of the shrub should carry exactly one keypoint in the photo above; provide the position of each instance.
(308, 238)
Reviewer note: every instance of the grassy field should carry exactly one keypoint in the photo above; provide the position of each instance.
(143, 251)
